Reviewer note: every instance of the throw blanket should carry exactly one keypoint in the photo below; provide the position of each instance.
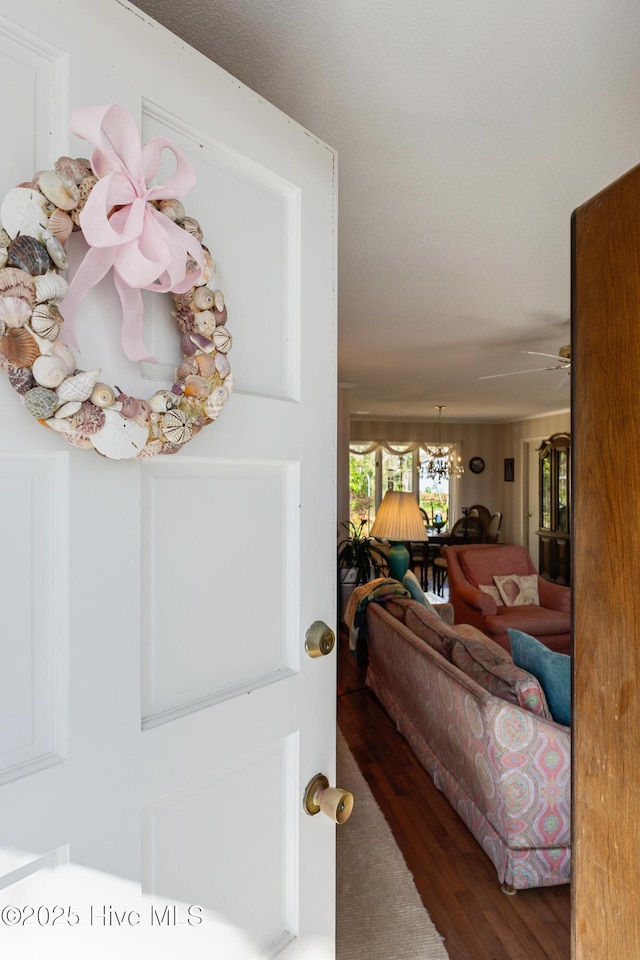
(379, 590)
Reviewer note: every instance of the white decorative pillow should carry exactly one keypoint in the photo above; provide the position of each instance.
(517, 591)
(493, 592)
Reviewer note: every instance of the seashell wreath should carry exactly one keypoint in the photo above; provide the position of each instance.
(37, 218)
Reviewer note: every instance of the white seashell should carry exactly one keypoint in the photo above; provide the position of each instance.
(56, 251)
(60, 349)
(61, 424)
(14, 311)
(3, 328)
(222, 339)
(216, 402)
(46, 321)
(50, 286)
(152, 448)
(62, 193)
(102, 395)
(229, 384)
(120, 438)
(176, 426)
(17, 283)
(60, 226)
(205, 322)
(218, 298)
(78, 387)
(163, 400)
(222, 364)
(23, 211)
(203, 298)
(68, 409)
(49, 371)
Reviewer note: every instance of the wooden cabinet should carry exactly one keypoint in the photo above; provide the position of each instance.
(554, 530)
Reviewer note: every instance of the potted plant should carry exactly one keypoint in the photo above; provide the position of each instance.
(359, 560)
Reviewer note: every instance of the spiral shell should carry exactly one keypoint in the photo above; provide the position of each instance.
(78, 387)
(102, 395)
(162, 401)
(49, 371)
(19, 347)
(46, 321)
(40, 402)
(14, 312)
(50, 286)
(60, 349)
(67, 410)
(176, 426)
(203, 298)
(29, 254)
(17, 283)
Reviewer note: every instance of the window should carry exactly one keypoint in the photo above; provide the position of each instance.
(376, 467)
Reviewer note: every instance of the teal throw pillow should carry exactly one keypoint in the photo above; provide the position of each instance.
(552, 670)
(412, 584)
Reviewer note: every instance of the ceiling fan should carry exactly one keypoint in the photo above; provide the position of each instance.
(563, 359)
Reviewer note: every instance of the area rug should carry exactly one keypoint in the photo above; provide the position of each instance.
(380, 915)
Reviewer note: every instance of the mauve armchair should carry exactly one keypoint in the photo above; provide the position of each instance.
(469, 565)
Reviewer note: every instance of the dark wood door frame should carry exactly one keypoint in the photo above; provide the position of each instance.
(606, 587)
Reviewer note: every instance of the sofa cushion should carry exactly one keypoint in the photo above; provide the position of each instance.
(552, 669)
(517, 591)
(430, 628)
(481, 564)
(493, 669)
(397, 609)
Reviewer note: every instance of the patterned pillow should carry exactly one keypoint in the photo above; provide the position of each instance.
(518, 591)
(493, 592)
(493, 669)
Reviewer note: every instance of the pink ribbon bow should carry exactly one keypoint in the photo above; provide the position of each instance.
(146, 249)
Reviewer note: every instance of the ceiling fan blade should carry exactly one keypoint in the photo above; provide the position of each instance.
(515, 373)
(535, 353)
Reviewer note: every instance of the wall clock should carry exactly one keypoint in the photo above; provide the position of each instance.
(476, 464)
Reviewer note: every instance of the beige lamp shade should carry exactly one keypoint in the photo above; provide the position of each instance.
(399, 518)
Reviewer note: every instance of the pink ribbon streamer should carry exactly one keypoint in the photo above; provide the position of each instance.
(124, 231)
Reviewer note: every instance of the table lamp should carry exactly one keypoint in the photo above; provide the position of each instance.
(398, 520)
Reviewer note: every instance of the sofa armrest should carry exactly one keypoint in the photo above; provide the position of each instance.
(554, 596)
(445, 612)
(475, 598)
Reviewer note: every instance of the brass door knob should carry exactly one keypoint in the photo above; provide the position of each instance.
(319, 639)
(335, 803)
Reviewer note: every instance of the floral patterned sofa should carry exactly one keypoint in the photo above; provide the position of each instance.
(481, 727)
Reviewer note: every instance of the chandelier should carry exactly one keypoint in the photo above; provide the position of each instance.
(441, 462)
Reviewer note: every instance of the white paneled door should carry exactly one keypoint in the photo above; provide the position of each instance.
(159, 718)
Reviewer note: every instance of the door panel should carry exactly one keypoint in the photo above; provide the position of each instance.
(159, 719)
(606, 271)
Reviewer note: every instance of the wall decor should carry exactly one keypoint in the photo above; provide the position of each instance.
(476, 464)
(142, 235)
(509, 469)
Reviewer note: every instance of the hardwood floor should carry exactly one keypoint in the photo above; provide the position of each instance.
(456, 880)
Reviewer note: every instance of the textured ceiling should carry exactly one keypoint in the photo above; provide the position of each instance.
(467, 132)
